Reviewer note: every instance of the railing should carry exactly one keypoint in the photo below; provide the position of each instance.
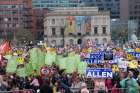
(19, 91)
(91, 90)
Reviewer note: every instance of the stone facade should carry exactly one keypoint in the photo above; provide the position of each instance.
(76, 25)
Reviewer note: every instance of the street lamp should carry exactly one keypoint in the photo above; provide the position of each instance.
(5, 32)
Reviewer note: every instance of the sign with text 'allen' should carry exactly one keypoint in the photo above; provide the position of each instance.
(135, 54)
(99, 73)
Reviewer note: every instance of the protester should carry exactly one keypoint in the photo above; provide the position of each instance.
(35, 83)
(129, 84)
(84, 88)
(100, 86)
(3, 84)
(64, 70)
(45, 88)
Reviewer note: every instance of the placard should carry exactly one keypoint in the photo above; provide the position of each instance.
(20, 60)
(44, 71)
(108, 55)
(99, 73)
(134, 54)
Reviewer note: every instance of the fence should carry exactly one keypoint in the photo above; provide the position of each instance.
(19, 91)
(91, 90)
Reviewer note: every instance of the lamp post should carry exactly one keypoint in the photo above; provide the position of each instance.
(5, 32)
(63, 35)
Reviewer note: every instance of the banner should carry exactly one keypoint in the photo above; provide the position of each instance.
(79, 20)
(87, 23)
(71, 24)
(91, 61)
(99, 73)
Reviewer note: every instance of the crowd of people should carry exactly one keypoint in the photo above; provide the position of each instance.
(125, 80)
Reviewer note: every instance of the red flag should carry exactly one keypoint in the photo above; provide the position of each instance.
(5, 47)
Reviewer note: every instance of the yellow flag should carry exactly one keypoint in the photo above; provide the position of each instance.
(133, 64)
(20, 60)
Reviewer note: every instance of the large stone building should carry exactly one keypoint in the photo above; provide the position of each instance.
(76, 25)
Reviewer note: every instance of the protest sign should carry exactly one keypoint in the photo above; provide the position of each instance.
(91, 60)
(134, 54)
(94, 58)
(133, 64)
(20, 60)
(19, 52)
(108, 55)
(99, 73)
(44, 71)
(137, 50)
(129, 57)
(115, 68)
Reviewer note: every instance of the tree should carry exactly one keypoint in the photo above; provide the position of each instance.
(24, 35)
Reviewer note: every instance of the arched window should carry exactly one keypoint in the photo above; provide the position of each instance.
(71, 41)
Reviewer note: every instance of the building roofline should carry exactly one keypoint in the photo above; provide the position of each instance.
(75, 11)
(87, 13)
